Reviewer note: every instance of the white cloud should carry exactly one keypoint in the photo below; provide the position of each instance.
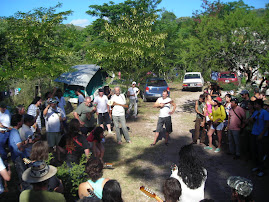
(81, 22)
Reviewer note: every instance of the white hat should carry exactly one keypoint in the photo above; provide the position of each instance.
(133, 82)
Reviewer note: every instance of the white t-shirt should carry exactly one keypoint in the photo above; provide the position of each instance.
(101, 103)
(164, 112)
(61, 103)
(133, 91)
(190, 195)
(80, 99)
(118, 110)
(25, 131)
(2, 165)
(32, 111)
(5, 118)
(52, 119)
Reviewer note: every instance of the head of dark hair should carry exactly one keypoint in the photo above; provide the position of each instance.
(73, 130)
(259, 102)
(228, 95)
(15, 119)
(40, 151)
(97, 133)
(94, 168)
(202, 96)
(166, 91)
(47, 94)
(171, 189)
(40, 185)
(190, 168)
(112, 192)
(36, 99)
(28, 118)
(19, 108)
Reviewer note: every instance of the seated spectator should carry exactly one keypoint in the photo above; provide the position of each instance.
(191, 174)
(94, 169)
(96, 137)
(5, 174)
(38, 175)
(112, 191)
(75, 144)
(241, 189)
(171, 190)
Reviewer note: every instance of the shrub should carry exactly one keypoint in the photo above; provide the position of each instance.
(229, 87)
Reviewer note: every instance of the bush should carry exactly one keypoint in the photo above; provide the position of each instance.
(229, 87)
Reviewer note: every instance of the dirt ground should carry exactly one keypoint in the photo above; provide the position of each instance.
(155, 162)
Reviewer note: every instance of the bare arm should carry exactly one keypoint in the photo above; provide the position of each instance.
(77, 117)
(45, 112)
(6, 174)
(174, 107)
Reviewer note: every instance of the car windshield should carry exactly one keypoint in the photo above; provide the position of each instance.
(227, 76)
(192, 76)
(157, 83)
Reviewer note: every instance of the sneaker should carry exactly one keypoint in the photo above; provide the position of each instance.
(254, 169)
(209, 148)
(217, 150)
(260, 174)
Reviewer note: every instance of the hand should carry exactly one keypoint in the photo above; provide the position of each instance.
(172, 112)
(81, 123)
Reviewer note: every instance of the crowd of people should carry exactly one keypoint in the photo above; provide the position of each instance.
(22, 136)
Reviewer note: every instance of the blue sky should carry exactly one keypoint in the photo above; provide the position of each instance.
(181, 8)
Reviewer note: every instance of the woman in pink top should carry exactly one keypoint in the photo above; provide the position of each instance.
(208, 110)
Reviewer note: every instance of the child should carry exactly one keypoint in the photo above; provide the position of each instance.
(96, 137)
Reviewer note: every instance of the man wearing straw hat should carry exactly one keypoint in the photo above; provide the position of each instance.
(38, 175)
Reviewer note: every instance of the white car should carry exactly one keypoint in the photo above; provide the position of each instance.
(193, 81)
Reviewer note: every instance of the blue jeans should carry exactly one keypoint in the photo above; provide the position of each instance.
(3, 139)
(234, 141)
(117, 121)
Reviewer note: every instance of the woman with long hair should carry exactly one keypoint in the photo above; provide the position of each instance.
(94, 169)
(96, 137)
(191, 174)
(112, 192)
(217, 117)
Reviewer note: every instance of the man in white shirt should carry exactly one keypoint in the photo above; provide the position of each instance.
(4, 125)
(132, 94)
(164, 103)
(102, 110)
(118, 114)
(54, 116)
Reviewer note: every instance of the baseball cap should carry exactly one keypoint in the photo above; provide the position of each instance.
(133, 82)
(101, 90)
(218, 99)
(243, 92)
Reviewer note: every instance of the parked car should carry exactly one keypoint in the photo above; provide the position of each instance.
(228, 77)
(193, 81)
(153, 88)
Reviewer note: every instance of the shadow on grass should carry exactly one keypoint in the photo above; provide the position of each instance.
(189, 106)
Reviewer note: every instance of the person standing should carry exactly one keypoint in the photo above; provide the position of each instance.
(54, 116)
(34, 110)
(236, 118)
(164, 103)
(118, 115)
(85, 115)
(61, 101)
(5, 119)
(81, 97)
(132, 94)
(200, 120)
(256, 94)
(102, 110)
(244, 103)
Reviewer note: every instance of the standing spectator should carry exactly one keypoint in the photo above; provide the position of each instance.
(118, 114)
(107, 92)
(191, 174)
(215, 91)
(112, 192)
(172, 190)
(256, 94)
(61, 101)
(102, 110)
(132, 94)
(96, 138)
(54, 116)
(4, 125)
(85, 115)
(200, 120)
(217, 117)
(94, 169)
(38, 175)
(260, 117)
(5, 174)
(34, 110)
(81, 97)
(245, 96)
(236, 119)
(209, 102)
(164, 103)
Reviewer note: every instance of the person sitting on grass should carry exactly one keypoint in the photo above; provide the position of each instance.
(38, 175)
(191, 174)
(112, 192)
(241, 189)
(171, 190)
(94, 169)
(95, 137)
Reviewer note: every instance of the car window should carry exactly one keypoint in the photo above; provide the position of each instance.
(157, 83)
(227, 76)
(192, 76)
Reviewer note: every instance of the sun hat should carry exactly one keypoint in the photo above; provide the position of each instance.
(133, 82)
(38, 172)
(242, 185)
(243, 92)
(218, 99)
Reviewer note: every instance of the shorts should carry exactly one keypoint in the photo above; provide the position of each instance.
(104, 118)
(219, 127)
(164, 121)
(53, 138)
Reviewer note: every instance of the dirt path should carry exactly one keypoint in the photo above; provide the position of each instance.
(219, 165)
